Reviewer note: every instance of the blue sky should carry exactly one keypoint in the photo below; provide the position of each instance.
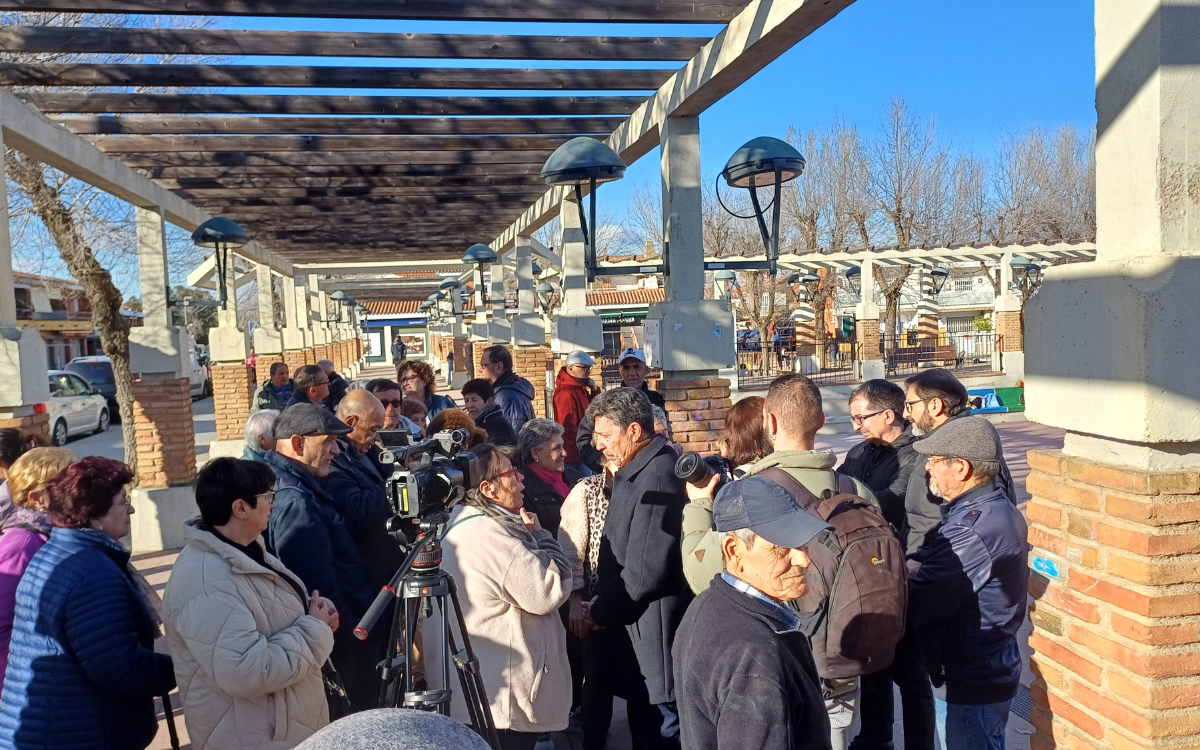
(979, 68)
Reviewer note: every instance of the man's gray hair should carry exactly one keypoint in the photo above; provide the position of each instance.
(261, 425)
(660, 418)
(624, 406)
(535, 434)
(745, 536)
(982, 470)
(325, 365)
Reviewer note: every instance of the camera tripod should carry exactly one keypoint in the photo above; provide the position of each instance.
(417, 584)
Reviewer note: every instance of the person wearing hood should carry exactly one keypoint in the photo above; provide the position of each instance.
(248, 638)
(634, 373)
(480, 403)
(512, 392)
(573, 392)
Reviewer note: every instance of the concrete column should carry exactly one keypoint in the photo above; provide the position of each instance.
(294, 324)
(866, 326)
(1010, 322)
(927, 307)
(575, 326)
(682, 207)
(527, 327)
(1111, 358)
(268, 340)
(317, 305)
(808, 359)
(230, 376)
(499, 329)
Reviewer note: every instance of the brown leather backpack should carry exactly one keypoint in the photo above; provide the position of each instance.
(856, 599)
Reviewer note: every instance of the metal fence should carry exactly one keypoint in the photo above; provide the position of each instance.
(908, 353)
(826, 364)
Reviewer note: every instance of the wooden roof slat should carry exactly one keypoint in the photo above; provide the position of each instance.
(185, 125)
(614, 11)
(306, 181)
(509, 193)
(465, 171)
(344, 158)
(261, 200)
(85, 40)
(129, 144)
(271, 104)
(311, 76)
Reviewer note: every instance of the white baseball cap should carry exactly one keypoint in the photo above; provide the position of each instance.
(633, 354)
(578, 357)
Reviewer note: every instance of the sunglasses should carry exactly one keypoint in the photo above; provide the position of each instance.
(392, 404)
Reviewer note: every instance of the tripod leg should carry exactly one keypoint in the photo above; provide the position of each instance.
(388, 681)
(477, 694)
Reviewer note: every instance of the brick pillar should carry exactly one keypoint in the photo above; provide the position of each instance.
(1117, 617)
(531, 364)
(34, 425)
(262, 366)
(1008, 327)
(164, 431)
(476, 356)
(337, 355)
(927, 327)
(697, 410)
(867, 333)
(460, 355)
(231, 400)
(294, 359)
(310, 356)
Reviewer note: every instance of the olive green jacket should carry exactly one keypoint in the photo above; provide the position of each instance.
(701, 549)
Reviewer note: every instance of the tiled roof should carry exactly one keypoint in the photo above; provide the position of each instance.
(24, 279)
(624, 297)
(395, 307)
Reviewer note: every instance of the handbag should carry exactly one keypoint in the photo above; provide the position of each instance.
(335, 692)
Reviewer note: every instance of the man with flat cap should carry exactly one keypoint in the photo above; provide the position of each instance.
(744, 670)
(967, 586)
(309, 535)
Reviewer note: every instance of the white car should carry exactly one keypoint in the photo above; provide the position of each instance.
(75, 407)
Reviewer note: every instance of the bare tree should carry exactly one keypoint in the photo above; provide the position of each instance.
(760, 299)
(891, 285)
(908, 168)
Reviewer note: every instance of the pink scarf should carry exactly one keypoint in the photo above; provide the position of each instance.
(551, 478)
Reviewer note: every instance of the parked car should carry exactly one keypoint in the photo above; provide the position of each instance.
(75, 407)
(98, 372)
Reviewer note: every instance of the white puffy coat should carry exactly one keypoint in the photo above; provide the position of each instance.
(247, 656)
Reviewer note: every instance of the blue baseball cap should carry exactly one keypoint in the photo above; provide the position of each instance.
(768, 510)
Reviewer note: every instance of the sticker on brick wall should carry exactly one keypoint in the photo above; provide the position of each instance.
(1048, 568)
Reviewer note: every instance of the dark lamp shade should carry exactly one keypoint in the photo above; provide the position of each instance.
(724, 275)
(436, 296)
(854, 277)
(757, 162)
(579, 160)
(338, 296)
(810, 278)
(450, 284)
(480, 254)
(220, 230)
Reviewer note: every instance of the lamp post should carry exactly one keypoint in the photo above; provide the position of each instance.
(854, 280)
(721, 280)
(939, 276)
(222, 235)
(481, 257)
(578, 162)
(1027, 276)
(544, 291)
(761, 162)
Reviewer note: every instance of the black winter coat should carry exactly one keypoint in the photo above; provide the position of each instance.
(583, 439)
(337, 391)
(967, 601)
(356, 486)
(740, 683)
(541, 499)
(886, 470)
(640, 576)
(499, 431)
(923, 510)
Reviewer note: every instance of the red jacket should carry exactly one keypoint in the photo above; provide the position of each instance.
(571, 400)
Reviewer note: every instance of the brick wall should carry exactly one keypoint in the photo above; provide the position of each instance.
(337, 355)
(262, 366)
(697, 410)
(294, 359)
(164, 432)
(477, 348)
(1008, 326)
(460, 355)
(927, 326)
(1116, 619)
(231, 400)
(531, 364)
(310, 356)
(33, 425)
(867, 332)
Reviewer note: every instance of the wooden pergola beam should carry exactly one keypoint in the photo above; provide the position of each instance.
(225, 201)
(83, 40)
(132, 144)
(271, 104)
(611, 11)
(510, 194)
(430, 171)
(341, 159)
(278, 76)
(305, 181)
(345, 126)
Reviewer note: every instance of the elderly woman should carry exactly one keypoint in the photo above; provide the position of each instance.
(514, 578)
(82, 670)
(259, 434)
(27, 531)
(417, 381)
(248, 639)
(542, 460)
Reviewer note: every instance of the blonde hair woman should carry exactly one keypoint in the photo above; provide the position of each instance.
(28, 529)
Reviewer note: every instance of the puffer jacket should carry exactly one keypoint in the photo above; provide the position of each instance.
(247, 656)
(512, 583)
(82, 672)
(886, 470)
(571, 400)
(515, 396)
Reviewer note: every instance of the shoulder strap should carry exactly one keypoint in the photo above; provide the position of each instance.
(805, 499)
(845, 485)
(27, 527)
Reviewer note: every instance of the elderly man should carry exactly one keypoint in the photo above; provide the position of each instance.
(275, 393)
(573, 392)
(337, 385)
(967, 586)
(512, 392)
(641, 593)
(392, 397)
(744, 670)
(634, 372)
(311, 386)
(259, 434)
(308, 533)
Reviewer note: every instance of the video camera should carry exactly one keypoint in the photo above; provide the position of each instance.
(425, 473)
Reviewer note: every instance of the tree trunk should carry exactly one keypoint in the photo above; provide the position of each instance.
(97, 283)
(891, 290)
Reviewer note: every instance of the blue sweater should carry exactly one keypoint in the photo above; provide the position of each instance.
(82, 672)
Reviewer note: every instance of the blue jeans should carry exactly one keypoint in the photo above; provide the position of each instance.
(971, 727)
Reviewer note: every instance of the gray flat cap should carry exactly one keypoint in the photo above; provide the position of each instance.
(308, 420)
(972, 438)
(394, 729)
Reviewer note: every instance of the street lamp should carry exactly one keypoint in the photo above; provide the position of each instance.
(543, 291)
(721, 280)
(939, 276)
(854, 280)
(578, 162)
(338, 298)
(221, 235)
(481, 256)
(761, 162)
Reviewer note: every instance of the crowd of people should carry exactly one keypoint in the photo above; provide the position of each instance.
(720, 611)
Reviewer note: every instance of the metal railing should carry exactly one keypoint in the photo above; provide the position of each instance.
(909, 352)
(829, 363)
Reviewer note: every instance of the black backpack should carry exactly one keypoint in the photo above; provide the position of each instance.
(856, 600)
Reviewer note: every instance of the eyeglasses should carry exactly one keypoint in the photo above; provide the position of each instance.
(930, 461)
(508, 473)
(269, 495)
(409, 378)
(918, 401)
(857, 421)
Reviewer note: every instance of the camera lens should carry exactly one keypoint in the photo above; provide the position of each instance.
(693, 469)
